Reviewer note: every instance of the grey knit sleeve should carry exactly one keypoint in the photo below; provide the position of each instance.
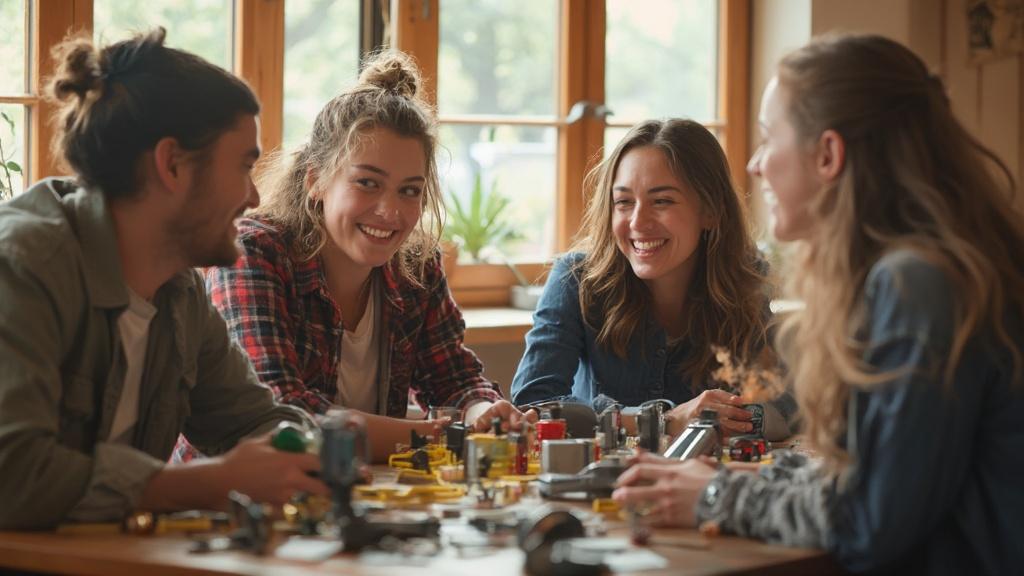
(785, 503)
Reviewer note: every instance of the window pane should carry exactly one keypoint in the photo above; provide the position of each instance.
(200, 26)
(516, 162)
(679, 39)
(497, 57)
(321, 58)
(12, 148)
(12, 47)
(611, 139)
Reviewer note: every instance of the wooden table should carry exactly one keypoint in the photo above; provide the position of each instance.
(118, 554)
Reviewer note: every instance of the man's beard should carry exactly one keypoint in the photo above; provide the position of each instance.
(201, 234)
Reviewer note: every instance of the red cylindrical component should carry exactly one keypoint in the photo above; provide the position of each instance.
(550, 430)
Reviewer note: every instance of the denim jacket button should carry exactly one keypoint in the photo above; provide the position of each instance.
(661, 353)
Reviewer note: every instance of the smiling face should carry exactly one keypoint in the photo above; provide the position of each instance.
(222, 189)
(656, 218)
(375, 200)
(785, 165)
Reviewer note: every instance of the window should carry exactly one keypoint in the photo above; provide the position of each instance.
(321, 58)
(491, 115)
(14, 94)
(245, 36)
(496, 99)
(504, 76)
(666, 35)
(200, 26)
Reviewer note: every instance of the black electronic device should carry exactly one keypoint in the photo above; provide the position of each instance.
(580, 419)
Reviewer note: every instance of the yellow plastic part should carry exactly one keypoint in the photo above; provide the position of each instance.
(415, 494)
(605, 506)
(437, 455)
(500, 451)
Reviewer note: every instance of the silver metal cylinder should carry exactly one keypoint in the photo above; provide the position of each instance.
(566, 456)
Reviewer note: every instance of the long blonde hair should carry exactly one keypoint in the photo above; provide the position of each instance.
(913, 178)
(387, 95)
(728, 286)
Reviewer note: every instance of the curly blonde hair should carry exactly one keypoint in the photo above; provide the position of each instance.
(913, 178)
(387, 95)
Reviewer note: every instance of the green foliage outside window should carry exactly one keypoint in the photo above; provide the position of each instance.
(7, 165)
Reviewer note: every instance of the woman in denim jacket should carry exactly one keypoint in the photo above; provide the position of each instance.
(907, 361)
(665, 269)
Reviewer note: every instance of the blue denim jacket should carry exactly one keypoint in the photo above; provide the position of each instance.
(563, 360)
(937, 481)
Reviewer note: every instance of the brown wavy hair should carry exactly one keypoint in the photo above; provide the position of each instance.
(729, 289)
(388, 95)
(913, 178)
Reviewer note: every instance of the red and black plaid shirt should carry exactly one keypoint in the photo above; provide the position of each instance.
(280, 312)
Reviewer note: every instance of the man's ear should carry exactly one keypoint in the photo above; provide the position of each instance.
(830, 157)
(171, 163)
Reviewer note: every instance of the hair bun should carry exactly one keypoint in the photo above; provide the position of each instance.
(392, 71)
(78, 68)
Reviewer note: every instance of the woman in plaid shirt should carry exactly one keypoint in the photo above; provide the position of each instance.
(339, 296)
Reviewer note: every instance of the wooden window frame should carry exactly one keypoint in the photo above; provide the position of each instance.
(580, 77)
(259, 59)
(47, 22)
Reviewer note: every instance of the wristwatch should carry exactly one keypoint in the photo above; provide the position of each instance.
(711, 504)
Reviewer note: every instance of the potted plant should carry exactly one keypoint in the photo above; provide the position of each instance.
(481, 222)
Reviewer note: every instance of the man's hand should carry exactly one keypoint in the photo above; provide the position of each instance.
(480, 415)
(253, 467)
(256, 469)
(666, 492)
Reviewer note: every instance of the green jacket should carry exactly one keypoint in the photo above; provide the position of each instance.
(62, 367)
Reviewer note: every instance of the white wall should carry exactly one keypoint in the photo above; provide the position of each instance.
(986, 98)
(777, 28)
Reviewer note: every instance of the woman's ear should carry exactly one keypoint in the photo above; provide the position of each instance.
(309, 182)
(830, 156)
(708, 220)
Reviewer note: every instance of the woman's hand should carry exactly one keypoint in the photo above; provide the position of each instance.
(731, 418)
(665, 493)
(480, 415)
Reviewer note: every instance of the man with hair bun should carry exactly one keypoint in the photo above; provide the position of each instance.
(109, 346)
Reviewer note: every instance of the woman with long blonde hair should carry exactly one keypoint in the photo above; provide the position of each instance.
(907, 361)
(664, 270)
(339, 297)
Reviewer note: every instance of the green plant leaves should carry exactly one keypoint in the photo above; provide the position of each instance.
(14, 166)
(482, 223)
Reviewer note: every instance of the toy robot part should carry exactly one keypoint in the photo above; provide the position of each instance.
(650, 426)
(699, 438)
(596, 480)
(541, 536)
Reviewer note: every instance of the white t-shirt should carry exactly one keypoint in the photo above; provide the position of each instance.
(133, 324)
(357, 369)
